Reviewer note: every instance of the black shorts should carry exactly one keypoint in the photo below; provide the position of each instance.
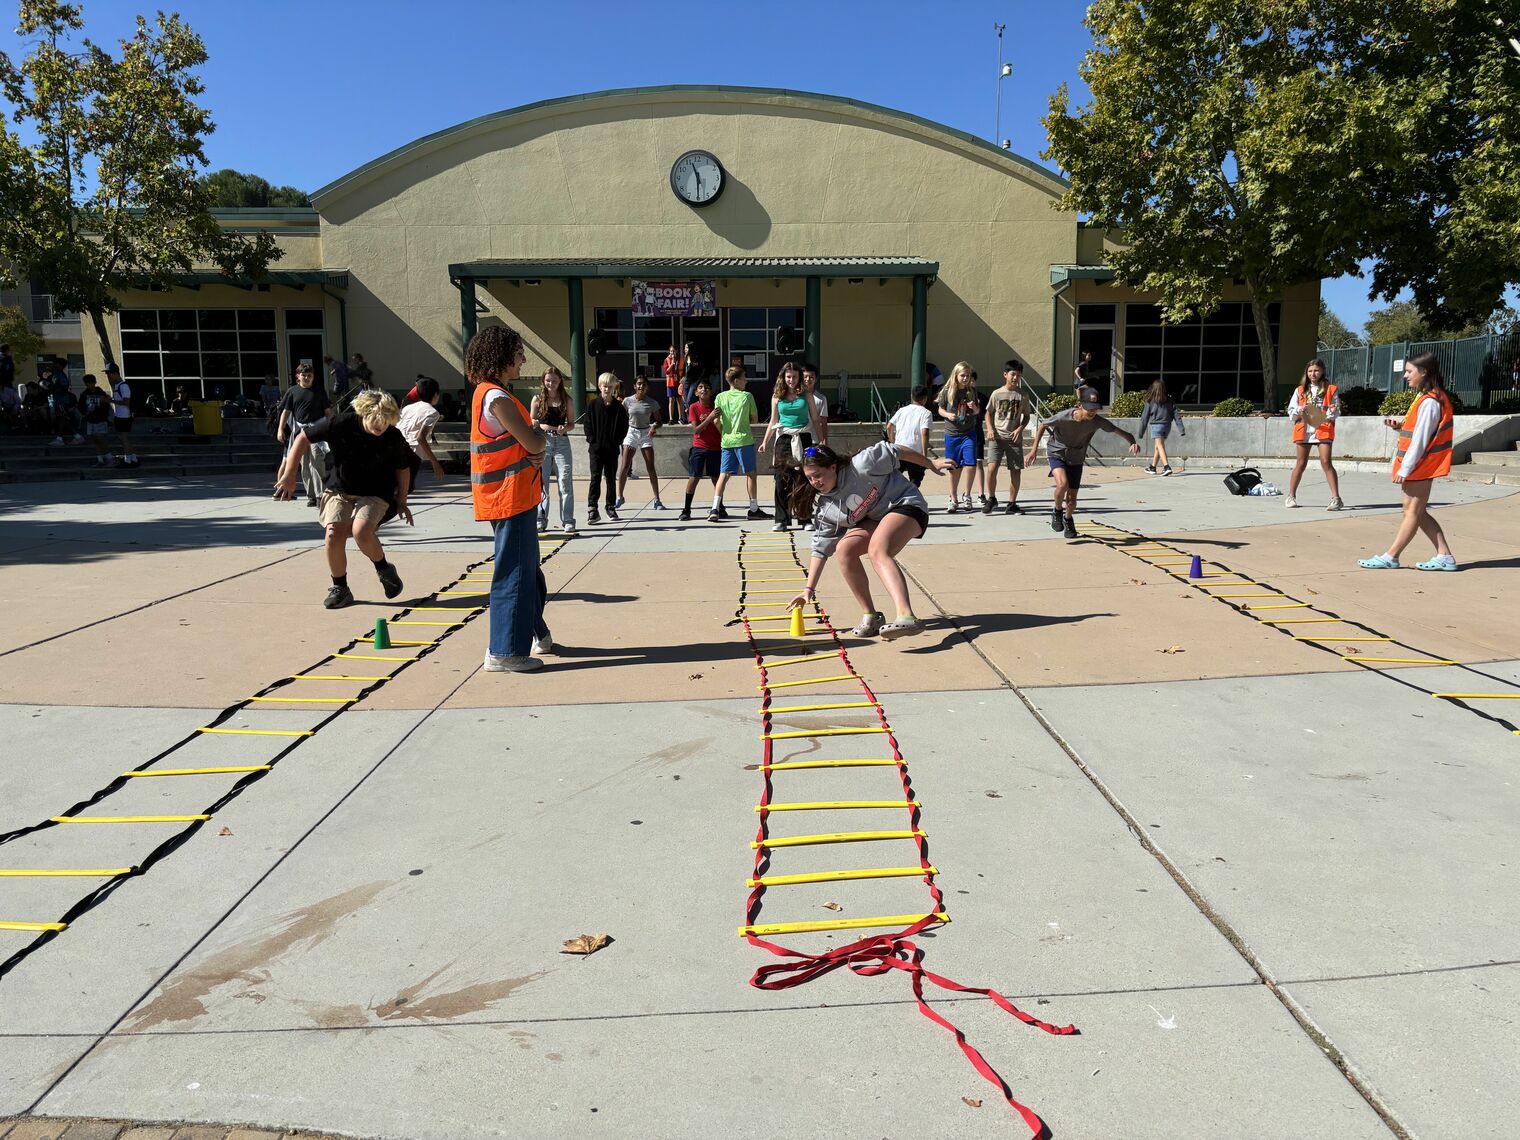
(914, 512)
(121, 425)
(703, 462)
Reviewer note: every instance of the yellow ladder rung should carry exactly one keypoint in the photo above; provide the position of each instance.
(445, 609)
(83, 872)
(821, 732)
(778, 635)
(777, 928)
(842, 876)
(840, 805)
(1167, 561)
(1222, 574)
(367, 635)
(810, 681)
(369, 657)
(306, 700)
(1272, 595)
(450, 624)
(254, 731)
(791, 764)
(1397, 660)
(835, 837)
(748, 592)
(198, 771)
(1297, 621)
(1480, 696)
(1297, 638)
(1281, 606)
(820, 708)
(781, 617)
(129, 818)
(332, 677)
(43, 926)
(816, 659)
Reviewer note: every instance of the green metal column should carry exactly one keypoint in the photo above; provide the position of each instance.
(812, 319)
(577, 345)
(920, 332)
(466, 311)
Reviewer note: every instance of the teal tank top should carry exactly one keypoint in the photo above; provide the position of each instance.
(794, 413)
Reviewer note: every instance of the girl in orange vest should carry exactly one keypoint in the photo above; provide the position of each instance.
(1313, 410)
(1423, 456)
(506, 452)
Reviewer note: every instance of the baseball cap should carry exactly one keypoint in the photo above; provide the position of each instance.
(1088, 398)
(111, 367)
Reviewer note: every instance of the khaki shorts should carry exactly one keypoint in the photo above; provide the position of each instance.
(334, 509)
(1006, 452)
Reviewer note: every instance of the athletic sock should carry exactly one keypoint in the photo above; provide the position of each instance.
(690, 495)
(717, 502)
(754, 503)
(340, 580)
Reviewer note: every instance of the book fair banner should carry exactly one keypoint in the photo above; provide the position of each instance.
(674, 299)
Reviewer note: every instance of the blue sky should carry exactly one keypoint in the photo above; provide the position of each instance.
(304, 92)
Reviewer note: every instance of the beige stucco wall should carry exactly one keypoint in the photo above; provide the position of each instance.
(807, 177)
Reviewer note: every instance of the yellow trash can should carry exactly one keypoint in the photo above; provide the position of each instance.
(207, 415)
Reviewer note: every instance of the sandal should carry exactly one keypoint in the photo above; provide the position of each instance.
(905, 627)
(1439, 562)
(869, 626)
(1378, 562)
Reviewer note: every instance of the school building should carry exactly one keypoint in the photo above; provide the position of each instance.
(605, 226)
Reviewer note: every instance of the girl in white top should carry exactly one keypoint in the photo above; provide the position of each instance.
(1313, 410)
(418, 419)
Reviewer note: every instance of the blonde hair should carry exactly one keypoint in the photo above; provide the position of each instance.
(374, 406)
(947, 393)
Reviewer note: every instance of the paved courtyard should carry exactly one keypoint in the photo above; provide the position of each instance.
(1273, 887)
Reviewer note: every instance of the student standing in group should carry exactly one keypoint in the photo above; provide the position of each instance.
(791, 426)
(1313, 410)
(706, 445)
(738, 415)
(819, 400)
(1070, 433)
(95, 406)
(643, 421)
(1007, 414)
(1156, 420)
(121, 411)
(506, 451)
(1424, 455)
(910, 426)
(372, 470)
(304, 404)
(691, 372)
(957, 406)
(979, 434)
(606, 425)
(672, 371)
(419, 416)
(864, 507)
(554, 415)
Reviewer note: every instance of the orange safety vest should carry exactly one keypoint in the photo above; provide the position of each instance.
(1326, 431)
(1437, 458)
(503, 480)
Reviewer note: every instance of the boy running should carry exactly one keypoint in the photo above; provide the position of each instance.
(706, 444)
(738, 414)
(372, 465)
(1070, 433)
(1007, 415)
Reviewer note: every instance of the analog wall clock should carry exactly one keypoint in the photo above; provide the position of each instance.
(697, 178)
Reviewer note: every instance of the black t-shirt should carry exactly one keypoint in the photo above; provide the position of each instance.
(363, 464)
(306, 405)
(97, 405)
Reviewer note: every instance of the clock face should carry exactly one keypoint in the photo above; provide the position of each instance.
(697, 178)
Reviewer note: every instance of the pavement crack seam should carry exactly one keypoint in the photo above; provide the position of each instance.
(1359, 1083)
(248, 773)
(877, 954)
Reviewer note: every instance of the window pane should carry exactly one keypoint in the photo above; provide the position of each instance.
(139, 341)
(182, 364)
(779, 317)
(1179, 358)
(1183, 334)
(1251, 386)
(1142, 334)
(1142, 315)
(139, 318)
(1096, 314)
(746, 318)
(1221, 358)
(303, 318)
(746, 340)
(219, 341)
(1215, 333)
(614, 318)
(180, 341)
(1142, 358)
(260, 364)
(218, 318)
(176, 318)
(1228, 313)
(1216, 387)
(219, 365)
(140, 365)
(256, 341)
(256, 319)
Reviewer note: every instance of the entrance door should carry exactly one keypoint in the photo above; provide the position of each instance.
(706, 339)
(305, 348)
(1098, 340)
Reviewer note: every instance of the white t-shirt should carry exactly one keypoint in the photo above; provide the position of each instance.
(121, 390)
(822, 407)
(416, 417)
(909, 422)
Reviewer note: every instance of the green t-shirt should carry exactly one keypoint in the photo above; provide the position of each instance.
(735, 411)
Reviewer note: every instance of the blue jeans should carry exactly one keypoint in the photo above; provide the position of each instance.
(557, 463)
(515, 602)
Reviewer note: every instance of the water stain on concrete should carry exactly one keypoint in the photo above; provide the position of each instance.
(678, 752)
(414, 1004)
(334, 1016)
(183, 997)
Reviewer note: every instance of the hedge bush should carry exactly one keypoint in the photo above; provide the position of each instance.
(1506, 407)
(1360, 401)
(1128, 405)
(1061, 402)
(1399, 403)
(1234, 408)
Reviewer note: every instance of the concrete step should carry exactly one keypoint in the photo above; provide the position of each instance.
(1496, 458)
(146, 470)
(1504, 475)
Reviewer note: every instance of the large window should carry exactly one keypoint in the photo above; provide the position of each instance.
(1202, 361)
(200, 350)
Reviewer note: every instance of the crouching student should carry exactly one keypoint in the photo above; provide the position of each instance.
(865, 507)
(372, 470)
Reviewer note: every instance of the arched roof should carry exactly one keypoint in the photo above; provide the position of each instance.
(1016, 165)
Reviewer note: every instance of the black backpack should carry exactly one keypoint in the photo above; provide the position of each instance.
(1240, 482)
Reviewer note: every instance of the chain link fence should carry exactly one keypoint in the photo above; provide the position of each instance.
(1481, 370)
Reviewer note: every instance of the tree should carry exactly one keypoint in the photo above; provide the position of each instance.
(15, 332)
(1333, 332)
(1400, 321)
(108, 196)
(1224, 140)
(233, 188)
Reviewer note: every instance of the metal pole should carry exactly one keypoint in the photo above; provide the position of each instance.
(813, 317)
(997, 129)
(467, 320)
(577, 345)
(920, 350)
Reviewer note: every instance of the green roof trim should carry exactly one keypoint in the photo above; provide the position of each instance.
(1061, 274)
(527, 268)
(692, 89)
(195, 278)
(265, 213)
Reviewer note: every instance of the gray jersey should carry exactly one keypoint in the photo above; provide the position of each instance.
(1066, 438)
(870, 484)
(641, 413)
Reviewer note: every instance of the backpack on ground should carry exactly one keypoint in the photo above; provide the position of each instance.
(1240, 482)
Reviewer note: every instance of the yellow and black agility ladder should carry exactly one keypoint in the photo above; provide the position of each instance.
(472, 585)
(766, 563)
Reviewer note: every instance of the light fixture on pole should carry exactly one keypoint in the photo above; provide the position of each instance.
(1004, 71)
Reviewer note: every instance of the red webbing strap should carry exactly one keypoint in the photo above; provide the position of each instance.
(881, 953)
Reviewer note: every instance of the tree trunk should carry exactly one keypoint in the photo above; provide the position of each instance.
(1268, 351)
(98, 321)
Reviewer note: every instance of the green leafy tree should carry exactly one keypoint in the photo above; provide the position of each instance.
(1400, 321)
(105, 193)
(15, 332)
(1333, 332)
(233, 188)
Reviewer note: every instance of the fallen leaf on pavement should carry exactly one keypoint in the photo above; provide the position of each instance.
(1139, 582)
(1351, 649)
(695, 677)
(832, 906)
(585, 944)
(994, 795)
(972, 1101)
(1172, 649)
(225, 831)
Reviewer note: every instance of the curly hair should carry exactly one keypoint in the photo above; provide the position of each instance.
(491, 350)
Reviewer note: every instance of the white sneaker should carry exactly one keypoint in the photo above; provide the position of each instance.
(779, 528)
(57, 441)
(966, 500)
(494, 664)
(569, 529)
(543, 644)
(1292, 502)
(1335, 504)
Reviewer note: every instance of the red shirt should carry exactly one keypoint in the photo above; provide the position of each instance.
(672, 370)
(710, 437)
